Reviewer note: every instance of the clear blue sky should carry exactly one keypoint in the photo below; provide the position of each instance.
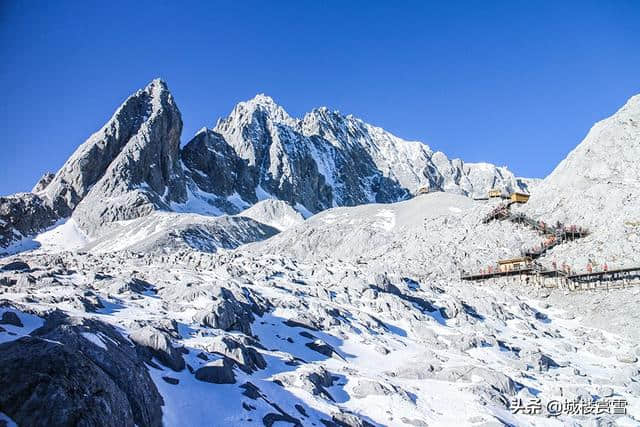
(515, 83)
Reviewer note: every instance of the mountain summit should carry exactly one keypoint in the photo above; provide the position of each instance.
(323, 160)
(134, 166)
(359, 316)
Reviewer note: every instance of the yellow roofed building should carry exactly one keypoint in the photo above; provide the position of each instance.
(519, 197)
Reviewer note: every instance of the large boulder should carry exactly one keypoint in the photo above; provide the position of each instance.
(315, 379)
(154, 343)
(217, 372)
(247, 358)
(76, 372)
(23, 214)
(226, 313)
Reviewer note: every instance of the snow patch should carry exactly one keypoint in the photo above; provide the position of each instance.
(95, 339)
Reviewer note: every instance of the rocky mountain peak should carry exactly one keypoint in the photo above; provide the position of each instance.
(134, 165)
(609, 152)
(602, 171)
(258, 111)
(141, 114)
(336, 128)
(141, 170)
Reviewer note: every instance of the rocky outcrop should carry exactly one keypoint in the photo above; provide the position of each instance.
(323, 160)
(43, 182)
(23, 214)
(154, 343)
(314, 380)
(226, 313)
(217, 372)
(246, 357)
(76, 372)
(145, 174)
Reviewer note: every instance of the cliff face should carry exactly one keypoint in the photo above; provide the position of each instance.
(323, 160)
(134, 166)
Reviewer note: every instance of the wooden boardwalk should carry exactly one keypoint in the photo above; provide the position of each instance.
(597, 280)
(620, 274)
(555, 235)
(484, 276)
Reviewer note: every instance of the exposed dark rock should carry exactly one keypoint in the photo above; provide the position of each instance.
(301, 323)
(133, 284)
(272, 418)
(301, 409)
(346, 419)
(171, 380)
(10, 318)
(151, 343)
(227, 313)
(323, 348)
(23, 214)
(307, 335)
(246, 357)
(7, 281)
(77, 383)
(251, 391)
(217, 372)
(16, 266)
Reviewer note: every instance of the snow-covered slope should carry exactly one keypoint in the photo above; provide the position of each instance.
(435, 234)
(354, 317)
(166, 232)
(598, 186)
(324, 160)
(276, 213)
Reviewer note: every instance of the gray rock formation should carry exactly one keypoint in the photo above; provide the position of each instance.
(137, 158)
(134, 166)
(217, 372)
(43, 182)
(154, 343)
(226, 313)
(79, 382)
(23, 214)
(323, 160)
(127, 169)
(246, 357)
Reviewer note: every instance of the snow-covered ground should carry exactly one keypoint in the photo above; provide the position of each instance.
(354, 316)
(356, 311)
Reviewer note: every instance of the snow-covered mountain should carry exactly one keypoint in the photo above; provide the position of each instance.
(193, 286)
(598, 186)
(134, 166)
(353, 318)
(324, 160)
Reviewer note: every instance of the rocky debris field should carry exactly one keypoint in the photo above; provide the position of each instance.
(146, 284)
(242, 338)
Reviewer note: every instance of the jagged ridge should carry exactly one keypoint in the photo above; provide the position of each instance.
(134, 166)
